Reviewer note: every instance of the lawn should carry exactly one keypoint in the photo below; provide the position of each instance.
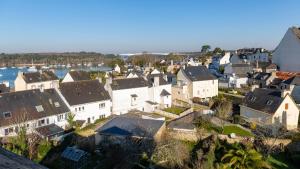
(237, 130)
(175, 110)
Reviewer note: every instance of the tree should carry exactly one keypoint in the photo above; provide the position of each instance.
(224, 109)
(217, 50)
(205, 48)
(247, 158)
(71, 120)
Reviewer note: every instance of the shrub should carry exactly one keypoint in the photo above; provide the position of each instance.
(43, 148)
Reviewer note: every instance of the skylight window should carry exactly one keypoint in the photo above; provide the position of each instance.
(39, 108)
(7, 114)
(253, 98)
(56, 104)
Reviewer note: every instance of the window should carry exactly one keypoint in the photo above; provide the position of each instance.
(33, 87)
(39, 108)
(27, 125)
(47, 120)
(75, 109)
(286, 106)
(253, 98)
(60, 117)
(82, 108)
(56, 104)
(101, 105)
(79, 109)
(41, 122)
(16, 129)
(269, 102)
(7, 114)
(101, 116)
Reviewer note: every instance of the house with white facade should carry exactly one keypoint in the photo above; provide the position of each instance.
(127, 94)
(270, 108)
(250, 55)
(218, 61)
(117, 68)
(292, 85)
(36, 80)
(73, 76)
(40, 111)
(287, 53)
(237, 74)
(200, 82)
(159, 91)
(87, 100)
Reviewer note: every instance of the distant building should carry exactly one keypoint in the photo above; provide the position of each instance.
(33, 109)
(292, 85)
(200, 82)
(87, 99)
(237, 74)
(287, 53)
(36, 80)
(261, 79)
(4, 87)
(270, 108)
(10, 160)
(73, 76)
(218, 61)
(126, 127)
(75, 158)
(117, 68)
(250, 55)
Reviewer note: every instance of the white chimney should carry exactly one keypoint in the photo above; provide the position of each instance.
(156, 81)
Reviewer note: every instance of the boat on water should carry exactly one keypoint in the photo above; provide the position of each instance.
(1, 75)
(21, 67)
(32, 69)
(3, 68)
(12, 67)
(45, 67)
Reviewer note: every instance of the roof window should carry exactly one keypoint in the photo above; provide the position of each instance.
(39, 108)
(7, 114)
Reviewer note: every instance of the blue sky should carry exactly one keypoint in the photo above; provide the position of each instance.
(125, 26)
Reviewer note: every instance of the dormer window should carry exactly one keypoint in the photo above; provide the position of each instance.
(39, 108)
(7, 114)
(133, 99)
(253, 98)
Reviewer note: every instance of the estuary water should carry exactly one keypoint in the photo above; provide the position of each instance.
(10, 73)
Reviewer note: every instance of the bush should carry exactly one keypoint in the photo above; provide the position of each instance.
(43, 148)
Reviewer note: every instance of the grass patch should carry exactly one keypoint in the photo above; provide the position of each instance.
(237, 130)
(175, 110)
(89, 129)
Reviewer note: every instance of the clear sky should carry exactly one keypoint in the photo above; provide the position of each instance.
(125, 26)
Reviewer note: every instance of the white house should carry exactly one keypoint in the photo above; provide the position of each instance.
(117, 68)
(292, 85)
(237, 74)
(159, 91)
(218, 61)
(73, 76)
(201, 83)
(250, 55)
(40, 111)
(87, 99)
(127, 94)
(270, 108)
(287, 53)
(36, 80)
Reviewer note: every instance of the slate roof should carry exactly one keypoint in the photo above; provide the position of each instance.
(164, 93)
(49, 130)
(22, 104)
(81, 92)
(3, 88)
(295, 80)
(131, 126)
(266, 100)
(128, 83)
(198, 73)
(162, 81)
(79, 75)
(33, 77)
(261, 76)
(241, 69)
(10, 160)
(73, 154)
(184, 122)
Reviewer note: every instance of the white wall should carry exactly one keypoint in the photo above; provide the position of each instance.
(287, 53)
(91, 110)
(68, 78)
(34, 124)
(122, 99)
(155, 91)
(205, 89)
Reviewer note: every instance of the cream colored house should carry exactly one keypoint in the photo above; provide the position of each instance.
(200, 82)
(270, 108)
(36, 80)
